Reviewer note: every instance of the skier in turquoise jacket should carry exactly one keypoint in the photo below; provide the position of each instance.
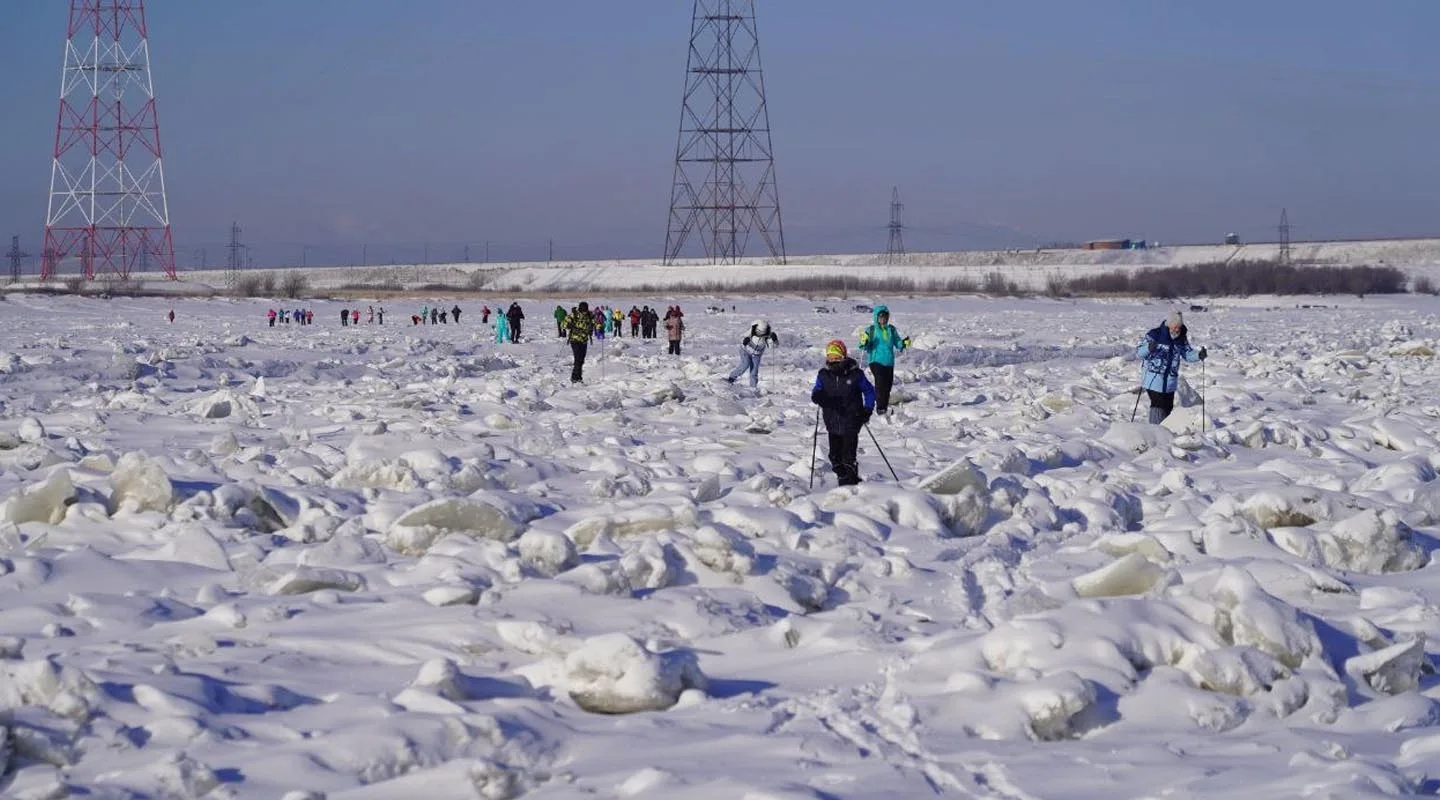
(881, 342)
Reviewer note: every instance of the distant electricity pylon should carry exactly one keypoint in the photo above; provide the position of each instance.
(237, 257)
(724, 184)
(895, 250)
(1284, 237)
(17, 258)
(107, 184)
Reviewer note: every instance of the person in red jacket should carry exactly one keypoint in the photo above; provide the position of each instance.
(634, 322)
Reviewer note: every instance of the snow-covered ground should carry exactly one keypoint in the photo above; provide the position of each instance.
(391, 562)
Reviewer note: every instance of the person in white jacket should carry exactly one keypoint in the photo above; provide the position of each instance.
(752, 347)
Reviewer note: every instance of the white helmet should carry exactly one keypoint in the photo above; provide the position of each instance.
(761, 325)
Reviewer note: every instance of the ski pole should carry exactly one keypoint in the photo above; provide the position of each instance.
(882, 453)
(1138, 392)
(814, 442)
(1202, 396)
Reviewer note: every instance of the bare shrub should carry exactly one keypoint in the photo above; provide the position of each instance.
(1243, 278)
(385, 286)
(74, 285)
(294, 285)
(477, 280)
(1056, 286)
(268, 283)
(822, 284)
(997, 285)
(955, 286)
(1424, 285)
(249, 286)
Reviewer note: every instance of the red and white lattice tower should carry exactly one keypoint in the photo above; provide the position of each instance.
(107, 186)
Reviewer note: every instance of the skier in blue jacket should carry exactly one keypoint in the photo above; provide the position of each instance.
(881, 341)
(1162, 351)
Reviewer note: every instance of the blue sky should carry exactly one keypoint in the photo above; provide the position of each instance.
(340, 122)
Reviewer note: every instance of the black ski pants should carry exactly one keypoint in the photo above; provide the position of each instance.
(843, 456)
(884, 379)
(1161, 404)
(674, 347)
(577, 370)
(514, 331)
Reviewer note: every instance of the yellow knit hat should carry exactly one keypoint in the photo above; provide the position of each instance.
(835, 350)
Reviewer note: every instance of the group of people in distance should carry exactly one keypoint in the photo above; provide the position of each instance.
(435, 316)
(300, 316)
(579, 325)
(610, 321)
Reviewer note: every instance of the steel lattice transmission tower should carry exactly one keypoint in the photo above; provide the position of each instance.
(895, 250)
(237, 257)
(17, 258)
(724, 186)
(1284, 237)
(107, 185)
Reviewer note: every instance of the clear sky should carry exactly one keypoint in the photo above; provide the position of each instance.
(340, 122)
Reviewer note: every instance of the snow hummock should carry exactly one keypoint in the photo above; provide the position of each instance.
(139, 483)
(614, 674)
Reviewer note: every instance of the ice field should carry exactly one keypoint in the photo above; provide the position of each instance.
(394, 562)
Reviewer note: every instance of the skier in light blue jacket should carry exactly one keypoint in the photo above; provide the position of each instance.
(881, 341)
(1162, 351)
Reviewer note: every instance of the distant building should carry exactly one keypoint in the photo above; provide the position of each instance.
(1232, 238)
(1108, 244)
(1116, 244)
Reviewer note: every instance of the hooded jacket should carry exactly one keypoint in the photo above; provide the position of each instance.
(580, 326)
(1162, 364)
(842, 391)
(881, 342)
(674, 328)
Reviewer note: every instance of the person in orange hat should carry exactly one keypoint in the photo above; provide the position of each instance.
(847, 399)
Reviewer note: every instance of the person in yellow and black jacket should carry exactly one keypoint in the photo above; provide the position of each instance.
(579, 326)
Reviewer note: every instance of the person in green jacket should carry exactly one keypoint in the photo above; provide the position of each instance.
(560, 315)
(881, 341)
